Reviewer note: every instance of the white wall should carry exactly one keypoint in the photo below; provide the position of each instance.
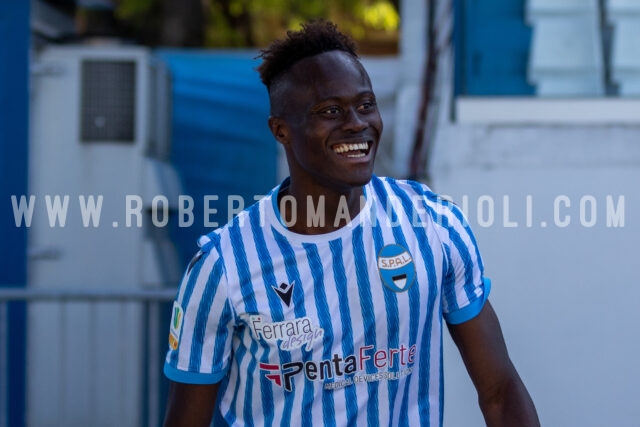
(566, 296)
(86, 361)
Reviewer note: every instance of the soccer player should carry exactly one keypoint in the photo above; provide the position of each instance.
(323, 304)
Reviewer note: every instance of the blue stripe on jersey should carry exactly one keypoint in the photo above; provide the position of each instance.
(458, 213)
(388, 208)
(293, 275)
(469, 286)
(248, 394)
(180, 376)
(222, 335)
(470, 311)
(248, 296)
(425, 342)
(454, 236)
(441, 376)
(414, 291)
(340, 277)
(425, 364)
(218, 417)
(186, 296)
(266, 267)
(441, 388)
(368, 313)
(202, 317)
(393, 319)
(449, 292)
(230, 416)
(324, 318)
(463, 250)
(269, 279)
(242, 267)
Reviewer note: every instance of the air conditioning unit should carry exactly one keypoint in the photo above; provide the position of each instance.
(99, 142)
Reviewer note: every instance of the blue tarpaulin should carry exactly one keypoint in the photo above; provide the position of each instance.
(222, 145)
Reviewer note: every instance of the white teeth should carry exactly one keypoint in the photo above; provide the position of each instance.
(343, 148)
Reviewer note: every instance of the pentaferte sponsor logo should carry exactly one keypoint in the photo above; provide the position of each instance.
(338, 372)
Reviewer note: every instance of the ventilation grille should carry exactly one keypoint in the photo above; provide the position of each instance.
(108, 101)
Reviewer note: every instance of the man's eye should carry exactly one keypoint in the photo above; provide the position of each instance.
(331, 111)
(367, 106)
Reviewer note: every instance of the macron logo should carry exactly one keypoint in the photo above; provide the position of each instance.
(284, 291)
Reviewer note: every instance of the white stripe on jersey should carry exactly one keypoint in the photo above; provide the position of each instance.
(352, 345)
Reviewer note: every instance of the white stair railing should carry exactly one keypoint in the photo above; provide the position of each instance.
(624, 17)
(566, 50)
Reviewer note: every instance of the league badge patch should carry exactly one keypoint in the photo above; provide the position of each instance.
(175, 329)
(396, 268)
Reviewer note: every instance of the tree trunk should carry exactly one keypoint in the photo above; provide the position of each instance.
(183, 23)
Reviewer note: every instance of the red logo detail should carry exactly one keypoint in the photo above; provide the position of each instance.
(276, 378)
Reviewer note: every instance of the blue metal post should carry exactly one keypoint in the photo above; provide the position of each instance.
(14, 118)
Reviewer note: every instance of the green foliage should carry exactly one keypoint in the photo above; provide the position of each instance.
(130, 9)
(219, 32)
(379, 16)
(254, 23)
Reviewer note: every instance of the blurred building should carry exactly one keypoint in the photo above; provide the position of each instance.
(525, 112)
(539, 144)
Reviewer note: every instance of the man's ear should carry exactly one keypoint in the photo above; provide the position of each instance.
(279, 129)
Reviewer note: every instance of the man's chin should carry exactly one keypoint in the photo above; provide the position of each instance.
(361, 179)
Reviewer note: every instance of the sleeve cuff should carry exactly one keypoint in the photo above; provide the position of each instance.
(192, 377)
(471, 310)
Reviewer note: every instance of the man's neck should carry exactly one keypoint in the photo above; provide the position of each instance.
(319, 212)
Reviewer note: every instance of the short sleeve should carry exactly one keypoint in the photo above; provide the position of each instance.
(202, 323)
(464, 288)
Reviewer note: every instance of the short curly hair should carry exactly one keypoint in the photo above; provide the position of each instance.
(314, 38)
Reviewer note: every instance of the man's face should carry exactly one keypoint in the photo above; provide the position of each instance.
(331, 123)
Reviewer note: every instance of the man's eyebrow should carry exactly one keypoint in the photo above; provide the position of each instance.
(340, 98)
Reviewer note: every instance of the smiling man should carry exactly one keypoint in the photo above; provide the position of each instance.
(323, 303)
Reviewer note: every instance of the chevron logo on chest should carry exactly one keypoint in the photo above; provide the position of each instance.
(285, 291)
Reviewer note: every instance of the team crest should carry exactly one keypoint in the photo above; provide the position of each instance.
(396, 267)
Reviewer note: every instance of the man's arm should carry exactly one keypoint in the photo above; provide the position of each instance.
(503, 398)
(190, 405)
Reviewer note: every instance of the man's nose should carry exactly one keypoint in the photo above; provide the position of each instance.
(355, 122)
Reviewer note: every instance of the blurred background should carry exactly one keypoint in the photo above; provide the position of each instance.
(126, 125)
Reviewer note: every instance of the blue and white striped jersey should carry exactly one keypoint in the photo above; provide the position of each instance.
(337, 329)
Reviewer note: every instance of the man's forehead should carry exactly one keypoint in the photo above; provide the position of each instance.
(334, 57)
(326, 66)
(328, 75)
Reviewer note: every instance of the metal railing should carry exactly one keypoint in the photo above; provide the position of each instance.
(150, 300)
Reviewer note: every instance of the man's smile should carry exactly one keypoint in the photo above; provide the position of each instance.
(352, 150)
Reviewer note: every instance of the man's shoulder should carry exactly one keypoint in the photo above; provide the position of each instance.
(407, 187)
(420, 196)
(223, 235)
